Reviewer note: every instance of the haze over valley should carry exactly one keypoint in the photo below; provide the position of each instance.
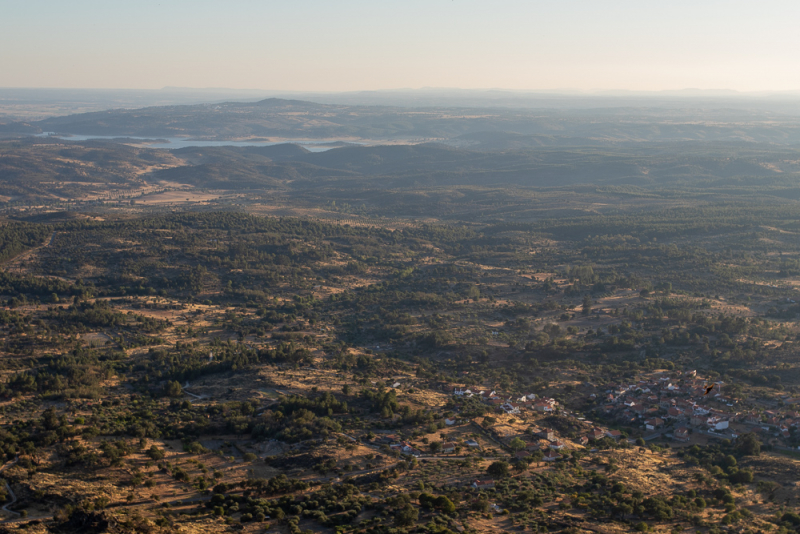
(399, 268)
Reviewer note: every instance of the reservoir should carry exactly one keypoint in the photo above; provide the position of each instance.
(174, 143)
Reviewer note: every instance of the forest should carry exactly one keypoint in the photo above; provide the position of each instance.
(425, 321)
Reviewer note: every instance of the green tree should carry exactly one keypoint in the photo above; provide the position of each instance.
(444, 504)
(406, 516)
(748, 445)
(587, 305)
(498, 469)
(155, 453)
(473, 292)
(517, 444)
(174, 389)
(743, 476)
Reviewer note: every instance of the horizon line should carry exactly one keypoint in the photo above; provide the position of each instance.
(557, 91)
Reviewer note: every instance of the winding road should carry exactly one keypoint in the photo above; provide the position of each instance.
(10, 491)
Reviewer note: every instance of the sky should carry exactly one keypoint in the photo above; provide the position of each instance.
(351, 45)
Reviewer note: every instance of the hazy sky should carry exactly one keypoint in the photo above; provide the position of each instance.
(335, 45)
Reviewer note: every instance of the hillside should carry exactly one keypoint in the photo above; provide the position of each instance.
(519, 128)
(573, 321)
(221, 372)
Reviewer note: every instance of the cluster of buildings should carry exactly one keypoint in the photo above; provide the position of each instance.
(678, 408)
(404, 447)
(686, 405)
(774, 423)
(679, 405)
(396, 444)
(510, 405)
(536, 439)
(597, 433)
(662, 402)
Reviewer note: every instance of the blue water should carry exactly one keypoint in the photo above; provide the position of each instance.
(172, 143)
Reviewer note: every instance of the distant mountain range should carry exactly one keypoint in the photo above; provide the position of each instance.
(405, 148)
(476, 128)
(39, 167)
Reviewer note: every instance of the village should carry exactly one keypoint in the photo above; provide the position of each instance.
(668, 409)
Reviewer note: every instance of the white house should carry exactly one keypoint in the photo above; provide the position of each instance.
(551, 456)
(716, 423)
